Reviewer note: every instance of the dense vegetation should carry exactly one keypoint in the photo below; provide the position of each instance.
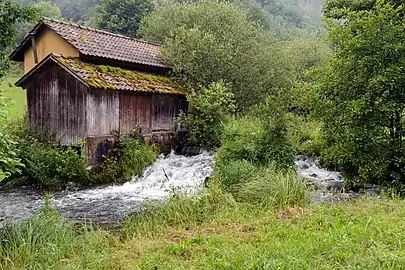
(259, 70)
(266, 83)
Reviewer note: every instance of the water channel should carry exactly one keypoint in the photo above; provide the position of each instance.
(171, 173)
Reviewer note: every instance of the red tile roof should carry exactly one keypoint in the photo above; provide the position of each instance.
(98, 43)
(113, 78)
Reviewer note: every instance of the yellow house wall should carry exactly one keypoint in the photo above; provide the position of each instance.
(48, 42)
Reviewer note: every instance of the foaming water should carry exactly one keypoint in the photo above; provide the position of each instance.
(172, 173)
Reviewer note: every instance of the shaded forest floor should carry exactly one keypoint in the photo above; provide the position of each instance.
(365, 234)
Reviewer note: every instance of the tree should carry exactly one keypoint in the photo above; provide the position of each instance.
(77, 10)
(211, 41)
(10, 14)
(360, 92)
(43, 9)
(122, 16)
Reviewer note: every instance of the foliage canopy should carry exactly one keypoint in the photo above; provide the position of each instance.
(359, 93)
(211, 41)
(122, 16)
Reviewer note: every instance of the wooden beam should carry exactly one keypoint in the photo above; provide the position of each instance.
(34, 48)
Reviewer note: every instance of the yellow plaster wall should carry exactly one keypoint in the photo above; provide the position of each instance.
(48, 42)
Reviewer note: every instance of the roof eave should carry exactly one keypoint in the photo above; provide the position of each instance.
(164, 66)
(18, 53)
(52, 57)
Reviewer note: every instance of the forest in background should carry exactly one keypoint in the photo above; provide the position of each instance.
(296, 13)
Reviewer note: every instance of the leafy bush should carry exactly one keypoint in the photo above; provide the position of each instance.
(259, 138)
(359, 91)
(255, 159)
(9, 161)
(306, 135)
(210, 108)
(242, 140)
(130, 159)
(50, 165)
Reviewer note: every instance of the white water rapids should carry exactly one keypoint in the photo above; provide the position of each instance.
(171, 173)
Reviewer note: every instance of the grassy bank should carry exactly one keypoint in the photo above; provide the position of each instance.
(16, 95)
(366, 234)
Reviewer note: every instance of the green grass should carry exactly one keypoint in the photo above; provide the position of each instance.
(16, 95)
(215, 232)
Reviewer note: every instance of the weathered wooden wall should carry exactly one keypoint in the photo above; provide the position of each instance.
(149, 113)
(102, 112)
(165, 108)
(56, 105)
(135, 112)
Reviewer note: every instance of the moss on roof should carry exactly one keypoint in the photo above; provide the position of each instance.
(115, 78)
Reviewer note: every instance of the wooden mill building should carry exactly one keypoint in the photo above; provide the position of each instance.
(88, 85)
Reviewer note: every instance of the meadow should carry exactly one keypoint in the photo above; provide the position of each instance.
(362, 234)
(16, 95)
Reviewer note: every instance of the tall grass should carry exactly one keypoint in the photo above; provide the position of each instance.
(273, 188)
(16, 95)
(179, 212)
(47, 241)
(213, 231)
(44, 239)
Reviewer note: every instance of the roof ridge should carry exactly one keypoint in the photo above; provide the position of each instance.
(45, 19)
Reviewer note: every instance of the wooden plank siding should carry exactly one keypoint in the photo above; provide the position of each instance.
(68, 111)
(165, 108)
(56, 105)
(149, 113)
(135, 112)
(102, 112)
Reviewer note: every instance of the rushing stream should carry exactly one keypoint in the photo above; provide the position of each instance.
(172, 173)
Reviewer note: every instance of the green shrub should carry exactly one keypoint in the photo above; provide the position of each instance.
(305, 135)
(130, 159)
(256, 157)
(210, 108)
(257, 141)
(135, 156)
(9, 161)
(241, 140)
(50, 165)
(45, 163)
